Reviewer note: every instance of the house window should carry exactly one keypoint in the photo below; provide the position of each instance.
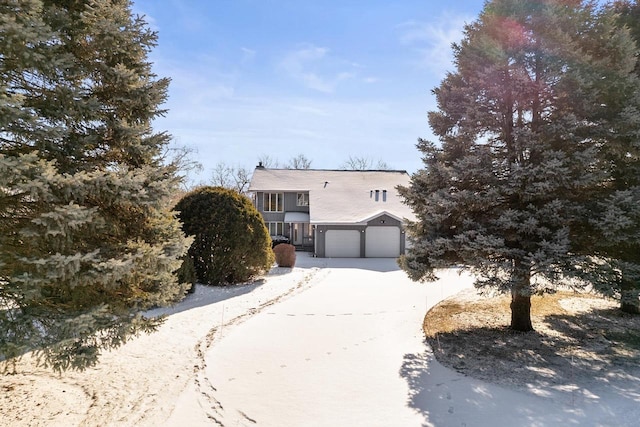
(303, 199)
(273, 202)
(275, 228)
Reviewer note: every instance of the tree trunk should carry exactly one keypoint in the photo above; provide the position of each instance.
(629, 297)
(521, 313)
(521, 301)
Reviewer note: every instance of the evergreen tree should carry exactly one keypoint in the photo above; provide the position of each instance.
(616, 220)
(87, 238)
(231, 243)
(629, 16)
(539, 89)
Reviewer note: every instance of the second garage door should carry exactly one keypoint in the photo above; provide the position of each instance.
(342, 244)
(382, 242)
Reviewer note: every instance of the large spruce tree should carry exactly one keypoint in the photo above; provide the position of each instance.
(87, 239)
(616, 236)
(541, 88)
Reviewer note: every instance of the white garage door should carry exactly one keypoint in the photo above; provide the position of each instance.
(342, 244)
(382, 242)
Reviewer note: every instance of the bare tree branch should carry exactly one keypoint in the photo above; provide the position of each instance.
(182, 159)
(268, 161)
(299, 162)
(360, 163)
(233, 177)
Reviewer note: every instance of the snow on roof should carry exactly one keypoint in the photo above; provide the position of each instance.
(339, 196)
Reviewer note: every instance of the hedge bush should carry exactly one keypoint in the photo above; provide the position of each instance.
(231, 243)
(285, 255)
(187, 273)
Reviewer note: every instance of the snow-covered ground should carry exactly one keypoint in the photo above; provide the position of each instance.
(331, 356)
(138, 383)
(329, 343)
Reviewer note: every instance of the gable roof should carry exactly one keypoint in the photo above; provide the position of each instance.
(339, 196)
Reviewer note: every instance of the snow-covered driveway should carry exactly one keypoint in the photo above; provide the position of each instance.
(333, 355)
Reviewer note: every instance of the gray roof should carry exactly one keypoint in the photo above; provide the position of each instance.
(339, 196)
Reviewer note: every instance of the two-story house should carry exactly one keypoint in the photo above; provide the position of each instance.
(334, 213)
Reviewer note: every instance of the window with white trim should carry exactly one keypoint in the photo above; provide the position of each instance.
(273, 202)
(303, 199)
(275, 228)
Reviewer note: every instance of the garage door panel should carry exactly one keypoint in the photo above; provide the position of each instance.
(342, 244)
(382, 242)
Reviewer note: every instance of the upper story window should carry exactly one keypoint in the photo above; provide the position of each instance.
(303, 199)
(273, 202)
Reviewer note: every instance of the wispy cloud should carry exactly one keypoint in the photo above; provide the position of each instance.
(247, 54)
(316, 69)
(432, 40)
(150, 20)
(195, 83)
(233, 130)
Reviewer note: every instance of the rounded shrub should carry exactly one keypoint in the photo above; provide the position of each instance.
(285, 255)
(231, 243)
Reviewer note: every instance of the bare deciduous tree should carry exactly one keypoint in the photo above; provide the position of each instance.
(360, 163)
(299, 162)
(182, 159)
(268, 162)
(233, 177)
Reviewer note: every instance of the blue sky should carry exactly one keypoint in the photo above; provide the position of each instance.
(329, 79)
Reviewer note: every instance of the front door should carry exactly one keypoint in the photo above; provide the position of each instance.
(298, 234)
